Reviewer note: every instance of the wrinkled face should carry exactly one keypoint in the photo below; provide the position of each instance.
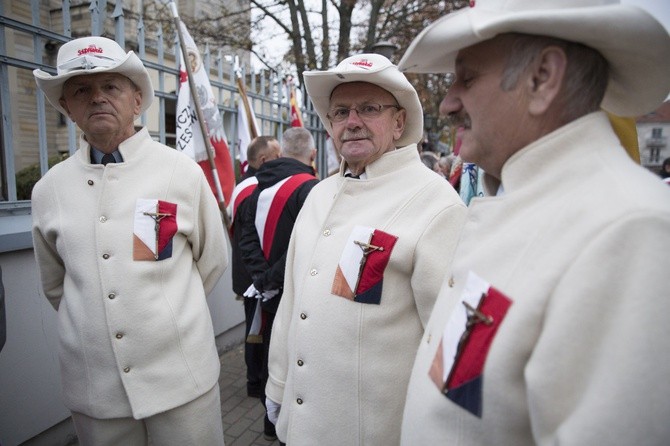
(102, 104)
(362, 140)
(490, 119)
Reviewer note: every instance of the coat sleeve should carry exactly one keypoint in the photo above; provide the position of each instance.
(599, 371)
(210, 250)
(49, 263)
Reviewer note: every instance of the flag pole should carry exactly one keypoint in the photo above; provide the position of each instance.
(245, 100)
(201, 118)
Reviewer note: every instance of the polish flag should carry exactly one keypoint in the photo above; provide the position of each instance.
(189, 136)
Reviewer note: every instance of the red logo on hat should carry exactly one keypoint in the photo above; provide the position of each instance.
(91, 49)
(362, 63)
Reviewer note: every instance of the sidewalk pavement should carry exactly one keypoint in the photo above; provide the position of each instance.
(242, 415)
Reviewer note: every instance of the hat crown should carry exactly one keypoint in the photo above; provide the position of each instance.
(93, 55)
(89, 53)
(362, 63)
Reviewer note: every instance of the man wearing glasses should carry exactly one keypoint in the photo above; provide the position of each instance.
(368, 253)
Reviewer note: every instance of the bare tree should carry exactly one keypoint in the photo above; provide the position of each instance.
(311, 26)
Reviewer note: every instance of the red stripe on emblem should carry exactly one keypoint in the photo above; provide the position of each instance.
(376, 261)
(470, 362)
(167, 226)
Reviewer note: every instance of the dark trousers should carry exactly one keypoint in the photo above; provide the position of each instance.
(253, 354)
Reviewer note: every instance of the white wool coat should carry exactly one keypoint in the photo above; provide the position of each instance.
(580, 242)
(136, 337)
(338, 367)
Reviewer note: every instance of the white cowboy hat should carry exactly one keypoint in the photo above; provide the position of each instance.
(93, 55)
(635, 44)
(377, 70)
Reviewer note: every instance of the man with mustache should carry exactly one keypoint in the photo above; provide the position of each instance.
(552, 328)
(367, 256)
(129, 240)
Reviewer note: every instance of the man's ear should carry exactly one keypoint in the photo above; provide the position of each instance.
(399, 124)
(545, 81)
(138, 102)
(63, 104)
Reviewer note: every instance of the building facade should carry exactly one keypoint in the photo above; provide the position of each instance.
(653, 130)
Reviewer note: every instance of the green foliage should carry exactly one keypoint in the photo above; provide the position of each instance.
(27, 177)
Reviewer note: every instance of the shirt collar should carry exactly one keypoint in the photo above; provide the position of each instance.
(348, 173)
(96, 156)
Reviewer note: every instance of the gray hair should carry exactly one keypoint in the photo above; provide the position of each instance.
(586, 75)
(297, 142)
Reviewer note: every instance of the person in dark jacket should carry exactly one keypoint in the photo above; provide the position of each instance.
(283, 186)
(260, 150)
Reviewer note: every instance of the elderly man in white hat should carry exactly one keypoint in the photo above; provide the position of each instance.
(364, 265)
(129, 240)
(553, 327)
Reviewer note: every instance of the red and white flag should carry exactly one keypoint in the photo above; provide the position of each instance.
(247, 127)
(189, 137)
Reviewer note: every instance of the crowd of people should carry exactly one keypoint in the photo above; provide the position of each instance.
(381, 307)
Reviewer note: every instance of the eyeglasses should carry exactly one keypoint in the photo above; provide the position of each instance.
(364, 111)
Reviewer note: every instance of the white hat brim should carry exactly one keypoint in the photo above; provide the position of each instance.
(320, 84)
(131, 67)
(636, 46)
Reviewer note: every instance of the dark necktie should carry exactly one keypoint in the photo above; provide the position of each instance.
(351, 175)
(107, 158)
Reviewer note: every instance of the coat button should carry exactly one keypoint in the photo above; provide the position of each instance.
(303, 316)
(111, 296)
(313, 272)
(105, 256)
(451, 282)
(326, 232)
(119, 335)
(300, 363)
(90, 182)
(299, 401)
(103, 219)
(126, 369)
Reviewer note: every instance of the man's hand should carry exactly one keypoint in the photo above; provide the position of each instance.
(267, 295)
(252, 292)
